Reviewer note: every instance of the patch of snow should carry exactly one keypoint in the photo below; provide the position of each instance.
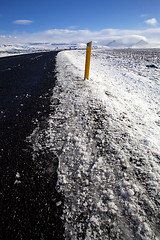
(58, 203)
(17, 182)
(17, 175)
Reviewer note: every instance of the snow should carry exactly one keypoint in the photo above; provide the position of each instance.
(17, 175)
(17, 181)
(135, 93)
(105, 134)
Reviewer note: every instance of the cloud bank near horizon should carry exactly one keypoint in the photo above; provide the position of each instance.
(150, 36)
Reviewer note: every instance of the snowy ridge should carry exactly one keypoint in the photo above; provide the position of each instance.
(105, 134)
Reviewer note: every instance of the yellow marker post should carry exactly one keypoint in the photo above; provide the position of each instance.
(88, 60)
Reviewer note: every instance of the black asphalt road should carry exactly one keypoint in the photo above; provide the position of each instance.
(27, 198)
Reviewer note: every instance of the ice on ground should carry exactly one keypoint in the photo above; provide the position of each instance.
(105, 135)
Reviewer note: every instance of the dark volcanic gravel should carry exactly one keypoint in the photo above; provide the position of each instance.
(28, 198)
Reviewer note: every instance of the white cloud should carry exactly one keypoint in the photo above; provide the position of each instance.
(23, 22)
(143, 15)
(152, 21)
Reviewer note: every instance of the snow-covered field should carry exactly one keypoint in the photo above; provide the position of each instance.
(105, 132)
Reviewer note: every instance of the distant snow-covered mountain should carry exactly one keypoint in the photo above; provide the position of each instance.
(125, 42)
(117, 44)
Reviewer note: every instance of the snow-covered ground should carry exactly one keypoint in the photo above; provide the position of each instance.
(105, 133)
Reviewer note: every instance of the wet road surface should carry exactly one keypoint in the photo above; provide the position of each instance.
(28, 199)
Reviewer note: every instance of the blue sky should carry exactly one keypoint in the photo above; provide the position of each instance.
(63, 14)
(36, 16)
